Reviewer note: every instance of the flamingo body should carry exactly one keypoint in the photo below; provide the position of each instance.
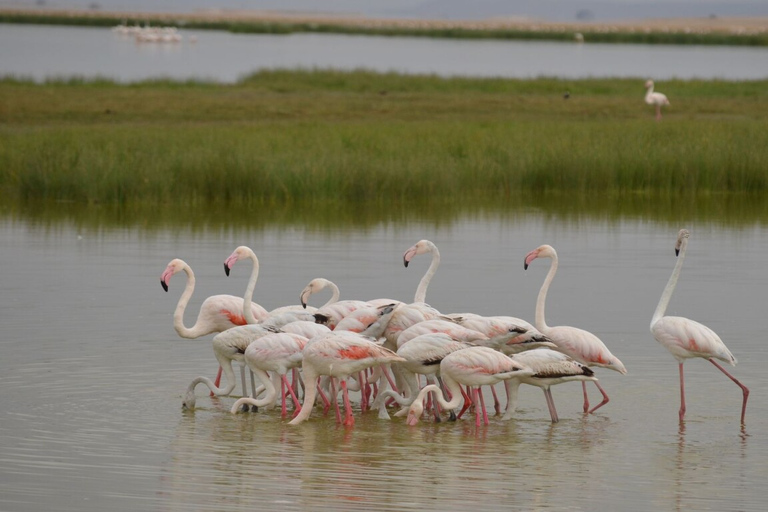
(656, 99)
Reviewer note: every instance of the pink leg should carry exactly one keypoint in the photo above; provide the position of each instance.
(389, 379)
(475, 401)
(682, 393)
(467, 403)
(283, 411)
(551, 405)
(744, 389)
(586, 397)
(324, 398)
(658, 112)
(482, 405)
(496, 403)
(605, 397)
(296, 405)
(335, 400)
(363, 398)
(349, 420)
(217, 382)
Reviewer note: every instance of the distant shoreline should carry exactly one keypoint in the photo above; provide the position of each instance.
(711, 30)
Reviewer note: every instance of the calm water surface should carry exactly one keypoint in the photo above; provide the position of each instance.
(40, 52)
(93, 374)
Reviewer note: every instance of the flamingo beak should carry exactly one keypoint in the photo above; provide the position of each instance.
(165, 285)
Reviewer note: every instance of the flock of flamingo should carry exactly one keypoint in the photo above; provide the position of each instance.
(385, 349)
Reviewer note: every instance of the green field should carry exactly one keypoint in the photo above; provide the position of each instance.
(364, 142)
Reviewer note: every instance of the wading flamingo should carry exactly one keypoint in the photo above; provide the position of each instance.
(217, 313)
(656, 99)
(551, 368)
(581, 345)
(686, 338)
(338, 354)
(474, 367)
(277, 353)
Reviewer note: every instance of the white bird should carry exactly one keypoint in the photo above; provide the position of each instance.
(686, 338)
(656, 99)
(551, 368)
(581, 345)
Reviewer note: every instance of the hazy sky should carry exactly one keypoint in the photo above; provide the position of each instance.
(555, 10)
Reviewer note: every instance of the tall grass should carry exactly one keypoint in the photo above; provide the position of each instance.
(313, 138)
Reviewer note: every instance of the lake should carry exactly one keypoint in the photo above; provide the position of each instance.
(40, 52)
(93, 373)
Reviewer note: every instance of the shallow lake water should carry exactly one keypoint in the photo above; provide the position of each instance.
(93, 373)
(40, 52)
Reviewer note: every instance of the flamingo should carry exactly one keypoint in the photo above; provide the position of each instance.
(686, 338)
(316, 285)
(277, 353)
(581, 345)
(551, 368)
(418, 310)
(474, 367)
(338, 354)
(656, 99)
(217, 313)
(242, 253)
(228, 346)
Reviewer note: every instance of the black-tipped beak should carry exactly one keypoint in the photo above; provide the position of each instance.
(165, 286)
(405, 262)
(226, 269)
(525, 266)
(304, 304)
(677, 252)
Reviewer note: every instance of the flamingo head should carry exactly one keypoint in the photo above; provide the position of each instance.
(173, 267)
(189, 400)
(313, 287)
(240, 253)
(421, 247)
(682, 236)
(414, 413)
(543, 251)
(649, 84)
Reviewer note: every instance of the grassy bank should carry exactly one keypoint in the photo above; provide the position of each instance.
(696, 33)
(325, 138)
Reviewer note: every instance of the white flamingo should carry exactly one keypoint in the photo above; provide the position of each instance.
(581, 345)
(551, 368)
(656, 99)
(686, 338)
(474, 367)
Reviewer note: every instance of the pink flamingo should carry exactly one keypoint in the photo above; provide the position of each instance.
(581, 345)
(474, 367)
(277, 353)
(686, 338)
(656, 99)
(551, 368)
(338, 354)
(217, 313)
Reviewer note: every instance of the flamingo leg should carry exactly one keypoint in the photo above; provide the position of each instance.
(349, 420)
(496, 403)
(682, 393)
(335, 401)
(324, 398)
(605, 397)
(296, 405)
(658, 112)
(482, 405)
(217, 382)
(586, 397)
(242, 380)
(744, 389)
(467, 403)
(551, 405)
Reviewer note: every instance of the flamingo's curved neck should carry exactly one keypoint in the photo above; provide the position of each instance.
(453, 388)
(336, 293)
(310, 394)
(670, 288)
(178, 314)
(421, 291)
(248, 297)
(541, 323)
(229, 376)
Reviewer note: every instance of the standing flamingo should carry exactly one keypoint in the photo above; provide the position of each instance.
(551, 368)
(276, 353)
(474, 367)
(656, 99)
(338, 354)
(217, 313)
(581, 345)
(686, 338)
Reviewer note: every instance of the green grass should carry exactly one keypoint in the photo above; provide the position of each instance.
(372, 142)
